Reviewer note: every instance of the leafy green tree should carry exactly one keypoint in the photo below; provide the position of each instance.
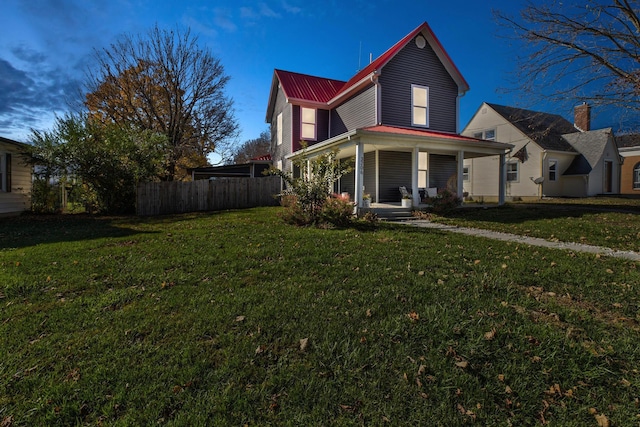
(108, 159)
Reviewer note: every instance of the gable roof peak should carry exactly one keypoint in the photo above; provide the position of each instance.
(376, 65)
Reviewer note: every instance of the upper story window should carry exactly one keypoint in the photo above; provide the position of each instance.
(553, 170)
(636, 177)
(489, 135)
(279, 129)
(513, 171)
(420, 106)
(308, 127)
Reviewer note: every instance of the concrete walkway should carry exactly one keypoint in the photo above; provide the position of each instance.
(533, 241)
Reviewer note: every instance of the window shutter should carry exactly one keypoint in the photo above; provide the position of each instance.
(8, 172)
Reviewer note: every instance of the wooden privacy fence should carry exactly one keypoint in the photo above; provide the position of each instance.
(158, 198)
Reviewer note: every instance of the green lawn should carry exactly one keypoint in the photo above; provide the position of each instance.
(235, 318)
(608, 222)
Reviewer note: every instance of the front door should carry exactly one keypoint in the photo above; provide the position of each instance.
(608, 176)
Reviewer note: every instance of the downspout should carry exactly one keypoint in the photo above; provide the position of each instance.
(374, 79)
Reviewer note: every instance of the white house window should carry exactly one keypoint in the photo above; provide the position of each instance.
(279, 129)
(308, 128)
(423, 163)
(465, 173)
(636, 177)
(553, 170)
(489, 135)
(513, 171)
(420, 106)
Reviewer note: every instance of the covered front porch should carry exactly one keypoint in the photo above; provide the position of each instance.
(387, 158)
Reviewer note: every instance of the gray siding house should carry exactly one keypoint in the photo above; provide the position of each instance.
(398, 117)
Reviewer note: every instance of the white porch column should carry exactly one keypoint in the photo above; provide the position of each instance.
(359, 174)
(502, 181)
(460, 176)
(415, 161)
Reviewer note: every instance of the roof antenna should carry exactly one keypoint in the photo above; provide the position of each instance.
(359, 55)
(370, 57)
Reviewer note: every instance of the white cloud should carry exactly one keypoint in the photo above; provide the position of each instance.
(223, 18)
(266, 11)
(290, 8)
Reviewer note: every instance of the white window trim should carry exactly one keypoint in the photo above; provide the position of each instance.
(635, 179)
(279, 129)
(466, 176)
(413, 106)
(494, 134)
(517, 163)
(315, 124)
(554, 161)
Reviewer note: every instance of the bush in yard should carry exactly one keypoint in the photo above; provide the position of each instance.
(337, 210)
(306, 195)
(445, 201)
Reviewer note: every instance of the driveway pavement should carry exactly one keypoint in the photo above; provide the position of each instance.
(533, 241)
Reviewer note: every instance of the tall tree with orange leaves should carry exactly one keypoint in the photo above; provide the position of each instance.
(165, 82)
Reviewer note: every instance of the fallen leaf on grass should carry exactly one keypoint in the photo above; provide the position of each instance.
(413, 316)
(260, 349)
(501, 378)
(490, 335)
(240, 318)
(462, 364)
(7, 421)
(303, 344)
(602, 420)
(368, 312)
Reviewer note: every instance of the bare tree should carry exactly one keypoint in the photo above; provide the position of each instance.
(253, 148)
(165, 82)
(579, 51)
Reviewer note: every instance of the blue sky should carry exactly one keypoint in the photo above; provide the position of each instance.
(47, 45)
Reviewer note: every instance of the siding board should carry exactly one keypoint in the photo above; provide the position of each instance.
(441, 169)
(18, 198)
(421, 67)
(395, 171)
(357, 112)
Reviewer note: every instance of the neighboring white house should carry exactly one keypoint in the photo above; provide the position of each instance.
(551, 156)
(15, 178)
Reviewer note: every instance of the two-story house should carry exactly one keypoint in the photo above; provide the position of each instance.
(398, 117)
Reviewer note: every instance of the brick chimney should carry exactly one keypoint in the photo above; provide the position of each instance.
(582, 117)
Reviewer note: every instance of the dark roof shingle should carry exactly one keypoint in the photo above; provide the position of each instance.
(544, 129)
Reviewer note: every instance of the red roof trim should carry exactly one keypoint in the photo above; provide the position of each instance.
(416, 132)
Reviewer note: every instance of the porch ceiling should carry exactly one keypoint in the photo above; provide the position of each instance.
(384, 138)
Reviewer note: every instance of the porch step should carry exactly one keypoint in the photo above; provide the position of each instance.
(392, 213)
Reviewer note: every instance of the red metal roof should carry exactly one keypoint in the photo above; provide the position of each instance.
(308, 88)
(266, 157)
(418, 132)
(313, 89)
